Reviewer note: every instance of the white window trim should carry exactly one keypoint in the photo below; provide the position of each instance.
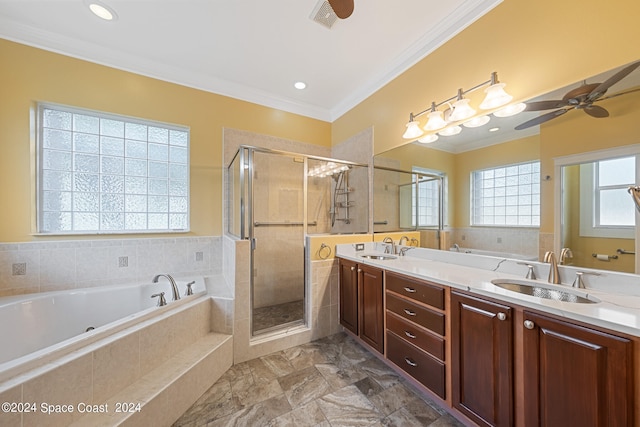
(38, 124)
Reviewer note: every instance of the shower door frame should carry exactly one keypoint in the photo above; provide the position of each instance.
(247, 231)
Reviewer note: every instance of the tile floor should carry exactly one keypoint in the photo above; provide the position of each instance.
(327, 383)
(265, 318)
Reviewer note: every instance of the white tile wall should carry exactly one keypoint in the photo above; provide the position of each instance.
(58, 265)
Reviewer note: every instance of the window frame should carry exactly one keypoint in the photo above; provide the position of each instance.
(473, 190)
(40, 189)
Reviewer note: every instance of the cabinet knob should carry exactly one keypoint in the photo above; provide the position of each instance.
(410, 362)
(409, 312)
(502, 316)
(353, 268)
(410, 335)
(359, 270)
(529, 324)
(410, 290)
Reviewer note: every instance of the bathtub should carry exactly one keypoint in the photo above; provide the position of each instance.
(495, 254)
(36, 328)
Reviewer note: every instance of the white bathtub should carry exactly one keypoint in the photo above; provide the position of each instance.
(495, 253)
(37, 328)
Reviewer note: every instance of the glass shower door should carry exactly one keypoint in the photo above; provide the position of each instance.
(277, 233)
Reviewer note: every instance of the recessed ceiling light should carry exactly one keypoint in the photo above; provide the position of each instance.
(300, 85)
(102, 10)
(494, 129)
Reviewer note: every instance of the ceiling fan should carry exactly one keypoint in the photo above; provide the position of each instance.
(581, 98)
(342, 8)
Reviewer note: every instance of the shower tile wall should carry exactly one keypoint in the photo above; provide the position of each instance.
(59, 265)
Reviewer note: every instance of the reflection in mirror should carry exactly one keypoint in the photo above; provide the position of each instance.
(578, 127)
(408, 201)
(603, 234)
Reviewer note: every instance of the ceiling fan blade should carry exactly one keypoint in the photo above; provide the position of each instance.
(342, 8)
(596, 111)
(545, 105)
(542, 118)
(618, 94)
(602, 88)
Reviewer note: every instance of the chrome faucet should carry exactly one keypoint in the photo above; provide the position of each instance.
(393, 245)
(554, 275)
(564, 254)
(403, 239)
(174, 287)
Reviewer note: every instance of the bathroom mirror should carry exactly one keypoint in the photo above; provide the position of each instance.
(575, 132)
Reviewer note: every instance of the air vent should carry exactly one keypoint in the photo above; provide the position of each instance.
(323, 14)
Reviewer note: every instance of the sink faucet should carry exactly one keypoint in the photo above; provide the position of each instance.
(554, 275)
(174, 287)
(403, 239)
(393, 245)
(564, 254)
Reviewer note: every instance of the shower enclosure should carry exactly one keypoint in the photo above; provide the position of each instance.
(275, 199)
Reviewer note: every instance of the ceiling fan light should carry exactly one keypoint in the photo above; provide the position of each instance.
(496, 97)
(435, 122)
(477, 122)
(453, 130)
(413, 130)
(510, 110)
(461, 110)
(428, 139)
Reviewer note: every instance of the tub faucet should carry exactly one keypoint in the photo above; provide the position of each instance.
(174, 287)
(554, 275)
(393, 245)
(403, 239)
(456, 247)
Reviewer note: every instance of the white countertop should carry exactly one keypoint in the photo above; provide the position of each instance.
(619, 293)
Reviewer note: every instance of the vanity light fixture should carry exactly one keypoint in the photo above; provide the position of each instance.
(101, 10)
(510, 110)
(446, 123)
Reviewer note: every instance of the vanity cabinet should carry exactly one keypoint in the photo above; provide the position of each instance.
(416, 329)
(482, 359)
(361, 302)
(575, 375)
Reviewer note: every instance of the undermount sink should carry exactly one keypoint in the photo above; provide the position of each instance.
(541, 291)
(379, 257)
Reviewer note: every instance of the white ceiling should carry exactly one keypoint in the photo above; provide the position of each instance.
(252, 50)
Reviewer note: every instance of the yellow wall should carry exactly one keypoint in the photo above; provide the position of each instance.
(29, 75)
(535, 46)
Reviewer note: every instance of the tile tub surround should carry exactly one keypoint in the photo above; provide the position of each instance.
(619, 293)
(71, 264)
(329, 382)
(176, 354)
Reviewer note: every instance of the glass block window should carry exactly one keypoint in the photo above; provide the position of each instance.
(102, 173)
(506, 196)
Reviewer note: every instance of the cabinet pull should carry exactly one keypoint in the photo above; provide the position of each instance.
(502, 316)
(410, 335)
(410, 362)
(353, 268)
(359, 270)
(529, 324)
(409, 312)
(410, 290)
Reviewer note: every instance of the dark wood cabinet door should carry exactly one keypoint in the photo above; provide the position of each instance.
(482, 360)
(371, 318)
(575, 376)
(349, 295)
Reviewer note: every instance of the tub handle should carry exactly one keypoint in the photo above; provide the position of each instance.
(161, 301)
(189, 291)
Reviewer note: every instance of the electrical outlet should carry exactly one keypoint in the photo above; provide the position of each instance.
(463, 238)
(19, 269)
(359, 246)
(499, 239)
(123, 261)
(199, 256)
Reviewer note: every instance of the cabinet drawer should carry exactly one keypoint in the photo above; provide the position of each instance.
(420, 365)
(418, 290)
(431, 320)
(417, 336)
